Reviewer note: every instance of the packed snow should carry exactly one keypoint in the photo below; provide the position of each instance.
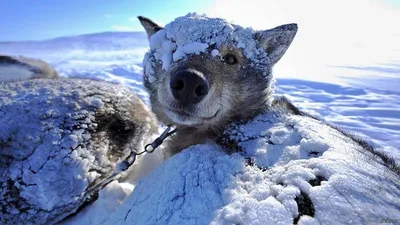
(224, 184)
(110, 197)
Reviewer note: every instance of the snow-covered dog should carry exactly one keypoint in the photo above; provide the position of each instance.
(204, 73)
(59, 139)
(22, 68)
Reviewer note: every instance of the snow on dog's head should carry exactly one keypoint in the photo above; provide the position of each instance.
(203, 71)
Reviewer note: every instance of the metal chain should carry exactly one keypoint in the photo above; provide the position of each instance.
(149, 148)
(128, 161)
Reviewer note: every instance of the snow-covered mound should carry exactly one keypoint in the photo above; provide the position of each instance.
(58, 138)
(23, 68)
(290, 169)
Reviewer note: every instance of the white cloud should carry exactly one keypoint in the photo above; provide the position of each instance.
(330, 32)
(122, 28)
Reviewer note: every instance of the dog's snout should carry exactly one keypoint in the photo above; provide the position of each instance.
(188, 87)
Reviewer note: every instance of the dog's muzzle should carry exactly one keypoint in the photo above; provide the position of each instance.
(189, 86)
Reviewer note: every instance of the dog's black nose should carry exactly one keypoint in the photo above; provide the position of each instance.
(188, 86)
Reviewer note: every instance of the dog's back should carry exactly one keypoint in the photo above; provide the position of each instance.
(21, 68)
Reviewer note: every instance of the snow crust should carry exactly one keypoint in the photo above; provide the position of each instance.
(284, 157)
(194, 34)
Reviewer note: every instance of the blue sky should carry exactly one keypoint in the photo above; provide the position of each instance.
(44, 19)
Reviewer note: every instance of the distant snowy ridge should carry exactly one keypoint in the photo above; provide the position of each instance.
(84, 52)
(291, 169)
(58, 138)
(96, 41)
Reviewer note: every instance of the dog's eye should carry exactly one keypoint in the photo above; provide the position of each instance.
(230, 59)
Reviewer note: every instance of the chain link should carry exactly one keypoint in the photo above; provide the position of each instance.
(128, 161)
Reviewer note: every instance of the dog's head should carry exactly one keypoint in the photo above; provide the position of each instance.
(203, 71)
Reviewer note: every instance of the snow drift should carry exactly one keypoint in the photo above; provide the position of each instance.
(289, 169)
(58, 138)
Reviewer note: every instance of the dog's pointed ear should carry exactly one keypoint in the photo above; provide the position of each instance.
(277, 40)
(149, 26)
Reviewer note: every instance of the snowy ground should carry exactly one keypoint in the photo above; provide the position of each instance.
(362, 97)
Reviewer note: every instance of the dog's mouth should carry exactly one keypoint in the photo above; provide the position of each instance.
(189, 116)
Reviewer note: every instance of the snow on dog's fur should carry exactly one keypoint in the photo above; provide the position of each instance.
(59, 138)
